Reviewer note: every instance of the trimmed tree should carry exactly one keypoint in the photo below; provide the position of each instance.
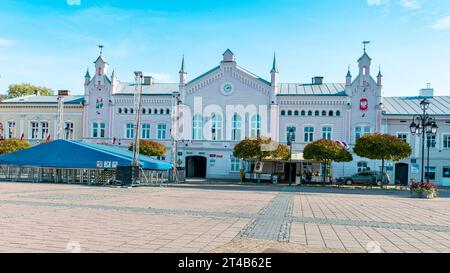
(150, 148)
(259, 149)
(382, 147)
(20, 90)
(8, 146)
(326, 152)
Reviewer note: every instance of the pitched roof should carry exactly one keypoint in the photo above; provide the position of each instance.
(45, 99)
(411, 105)
(326, 89)
(79, 155)
(153, 89)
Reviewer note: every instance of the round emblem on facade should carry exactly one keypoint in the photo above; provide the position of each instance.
(364, 104)
(227, 88)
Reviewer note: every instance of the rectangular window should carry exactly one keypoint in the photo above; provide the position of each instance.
(446, 172)
(44, 130)
(162, 131)
(358, 132)
(34, 130)
(326, 132)
(363, 166)
(98, 130)
(11, 129)
(309, 134)
(102, 130)
(288, 131)
(95, 130)
(430, 173)
(235, 164)
(403, 137)
(446, 139)
(69, 130)
(146, 130)
(431, 141)
(129, 131)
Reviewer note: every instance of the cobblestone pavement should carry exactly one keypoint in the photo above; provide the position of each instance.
(219, 218)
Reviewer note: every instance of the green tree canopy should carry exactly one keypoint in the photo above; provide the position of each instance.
(8, 146)
(326, 151)
(20, 90)
(150, 148)
(382, 147)
(260, 148)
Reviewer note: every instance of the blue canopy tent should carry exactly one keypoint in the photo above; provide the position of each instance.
(78, 155)
(66, 155)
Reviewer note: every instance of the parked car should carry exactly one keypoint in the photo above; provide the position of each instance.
(371, 178)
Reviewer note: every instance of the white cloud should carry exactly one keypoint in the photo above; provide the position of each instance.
(375, 2)
(410, 4)
(442, 24)
(6, 42)
(74, 2)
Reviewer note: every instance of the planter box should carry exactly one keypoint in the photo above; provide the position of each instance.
(423, 195)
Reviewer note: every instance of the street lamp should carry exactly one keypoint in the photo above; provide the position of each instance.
(291, 138)
(425, 126)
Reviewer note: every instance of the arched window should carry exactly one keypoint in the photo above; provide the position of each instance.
(236, 128)
(144, 111)
(338, 113)
(161, 111)
(296, 113)
(310, 113)
(255, 129)
(125, 111)
(119, 111)
(365, 70)
(131, 110)
(331, 113)
(167, 111)
(155, 111)
(283, 113)
(197, 127)
(216, 127)
(303, 113)
(324, 113)
(317, 113)
(290, 113)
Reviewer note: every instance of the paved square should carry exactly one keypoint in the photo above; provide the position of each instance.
(215, 218)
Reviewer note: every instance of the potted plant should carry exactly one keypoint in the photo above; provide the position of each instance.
(423, 190)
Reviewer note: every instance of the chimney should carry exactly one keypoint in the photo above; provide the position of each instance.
(317, 80)
(148, 80)
(63, 93)
(427, 92)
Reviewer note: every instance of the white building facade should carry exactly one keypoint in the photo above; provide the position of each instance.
(207, 116)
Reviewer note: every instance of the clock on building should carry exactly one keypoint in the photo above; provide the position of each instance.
(227, 88)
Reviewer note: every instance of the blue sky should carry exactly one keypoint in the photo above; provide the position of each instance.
(51, 43)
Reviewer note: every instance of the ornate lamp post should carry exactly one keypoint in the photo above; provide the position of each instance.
(290, 143)
(425, 126)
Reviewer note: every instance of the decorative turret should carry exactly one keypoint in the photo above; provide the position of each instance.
(379, 78)
(348, 78)
(364, 62)
(183, 74)
(274, 72)
(87, 77)
(101, 66)
(114, 79)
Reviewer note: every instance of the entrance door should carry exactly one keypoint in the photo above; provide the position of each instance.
(401, 174)
(287, 169)
(196, 167)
